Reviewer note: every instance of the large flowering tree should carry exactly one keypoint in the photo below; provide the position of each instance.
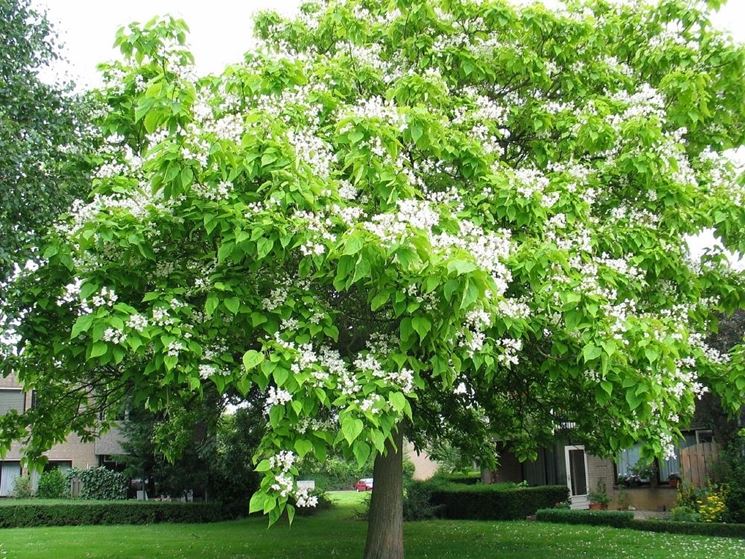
(403, 218)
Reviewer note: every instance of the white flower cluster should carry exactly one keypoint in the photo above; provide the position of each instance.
(697, 341)
(277, 397)
(487, 249)
(283, 460)
(71, 292)
(114, 336)
(514, 308)
(377, 107)
(391, 227)
(304, 499)
(510, 348)
(174, 348)
(276, 299)
(216, 193)
(137, 322)
(313, 151)
(471, 336)
(105, 298)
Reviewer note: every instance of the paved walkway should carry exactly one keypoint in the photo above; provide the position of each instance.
(646, 514)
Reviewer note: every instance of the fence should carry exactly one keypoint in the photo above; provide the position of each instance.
(697, 463)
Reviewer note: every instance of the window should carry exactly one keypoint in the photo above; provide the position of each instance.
(9, 471)
(11, 400)
(631, 472)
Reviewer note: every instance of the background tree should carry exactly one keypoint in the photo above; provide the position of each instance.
(43, 139)
(419, 218)
(202, 449)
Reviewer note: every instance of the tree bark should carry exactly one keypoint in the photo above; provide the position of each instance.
(385, 525)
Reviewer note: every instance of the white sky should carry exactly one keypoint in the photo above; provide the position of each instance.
(220, 34)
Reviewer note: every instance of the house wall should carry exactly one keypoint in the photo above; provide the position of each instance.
(81, 454)
(424, 466)
(660, 498)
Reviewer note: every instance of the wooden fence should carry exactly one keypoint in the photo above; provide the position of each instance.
(697, 463)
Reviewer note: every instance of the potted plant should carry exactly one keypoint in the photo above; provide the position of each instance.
(674, 480)
(599, 498)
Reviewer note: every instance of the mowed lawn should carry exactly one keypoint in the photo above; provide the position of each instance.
(336, 533)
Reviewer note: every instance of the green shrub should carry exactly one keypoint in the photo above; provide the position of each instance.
(418, 502)
(52, 485)
(494, 502)
(22, 487)
(102, 484)
(466, 479)
(684, 513)
(117, 512)
(623, 519)
(692, 528)
(615, 518)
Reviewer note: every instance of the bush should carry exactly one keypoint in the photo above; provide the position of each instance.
(622, 519)
(102, 484)
(465, 479)
(684, 513)
(617, 519)
(691, 528)
(52, 485)
(119, 512)
(494, 502)
(418, 502)
(22, 488)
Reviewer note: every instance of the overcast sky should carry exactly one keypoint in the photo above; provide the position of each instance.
(220, 34)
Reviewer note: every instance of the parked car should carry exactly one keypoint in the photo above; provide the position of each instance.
(365, 484)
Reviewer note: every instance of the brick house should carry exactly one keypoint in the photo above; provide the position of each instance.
(73, 453)
(567, 462)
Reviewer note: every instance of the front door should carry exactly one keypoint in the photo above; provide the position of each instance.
(576, 464)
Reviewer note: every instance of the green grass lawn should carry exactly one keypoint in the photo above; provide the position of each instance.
(336, 534)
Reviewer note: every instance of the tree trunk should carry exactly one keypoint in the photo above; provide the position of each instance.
(385, 525)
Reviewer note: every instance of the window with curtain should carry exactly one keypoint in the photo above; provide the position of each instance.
(11, 400)
(628, 460)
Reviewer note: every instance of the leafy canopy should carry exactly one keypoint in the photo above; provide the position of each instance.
(453, 218)
(42, 136)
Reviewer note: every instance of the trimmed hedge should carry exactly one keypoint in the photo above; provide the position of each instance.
(615, 518)
(623, 519)
(494, 502)
(117, 512)
(691, 528)
(465, 479)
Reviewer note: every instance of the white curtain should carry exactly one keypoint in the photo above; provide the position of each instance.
(9, 471)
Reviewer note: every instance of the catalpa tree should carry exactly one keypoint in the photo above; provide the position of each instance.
(392, 219)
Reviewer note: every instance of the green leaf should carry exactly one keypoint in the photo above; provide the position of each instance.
(422, 325)
(380, 299)
(211, 304)
(256, 503)
(353, 245)
(461, 267)
(303, 447)
(591, 352)
(232, 304)
(398, 401)
(361, 452)
(351, 427)
(263, 466)
(82, 324)
(99, 349)
(607, 386)
(252, 358)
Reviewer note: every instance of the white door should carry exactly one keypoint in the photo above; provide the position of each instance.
(577, 482)
(9, 471)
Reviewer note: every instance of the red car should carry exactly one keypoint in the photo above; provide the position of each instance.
(365, 484)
